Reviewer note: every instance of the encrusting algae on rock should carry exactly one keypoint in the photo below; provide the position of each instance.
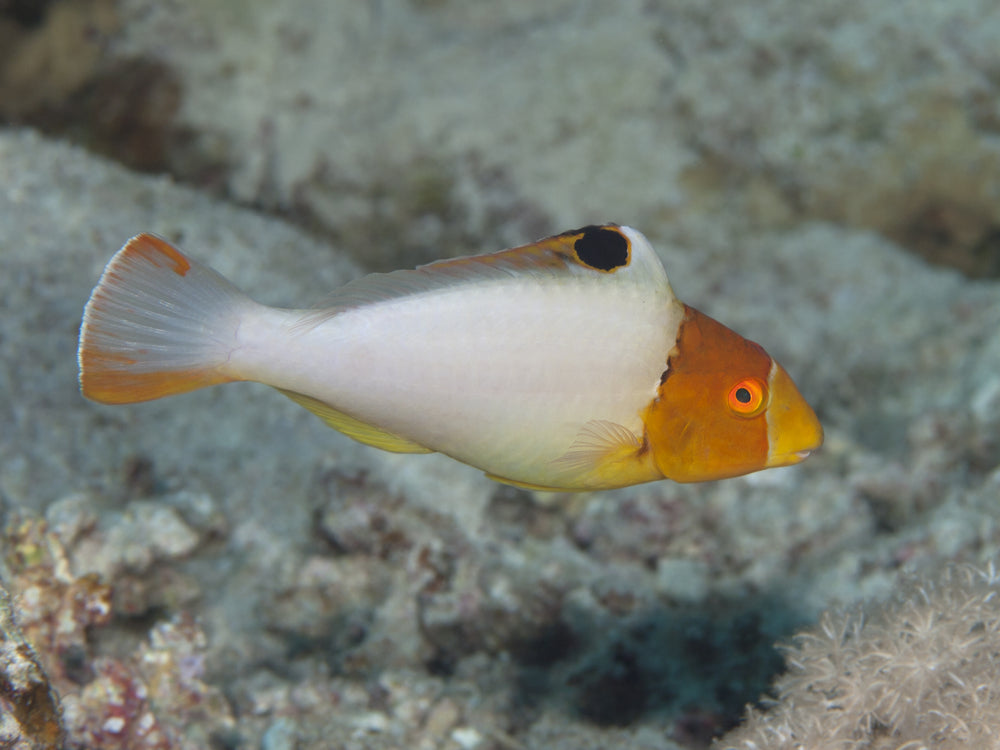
(153, 697)
(29, 709)
(566, 364)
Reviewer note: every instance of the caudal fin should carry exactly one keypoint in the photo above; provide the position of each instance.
(156, 324)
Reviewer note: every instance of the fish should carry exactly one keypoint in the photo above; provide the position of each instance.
(567, 364)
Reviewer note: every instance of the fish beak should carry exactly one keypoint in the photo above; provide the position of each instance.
(793, 431)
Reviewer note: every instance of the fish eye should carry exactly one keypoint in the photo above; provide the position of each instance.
(746, 398)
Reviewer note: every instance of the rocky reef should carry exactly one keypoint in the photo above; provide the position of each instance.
(220, 570)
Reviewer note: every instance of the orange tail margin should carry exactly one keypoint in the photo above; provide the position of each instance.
(157, 324)
(107, 381)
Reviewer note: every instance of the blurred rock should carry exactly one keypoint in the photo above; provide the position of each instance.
(29, 710)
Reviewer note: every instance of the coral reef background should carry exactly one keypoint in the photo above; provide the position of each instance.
(220, 570)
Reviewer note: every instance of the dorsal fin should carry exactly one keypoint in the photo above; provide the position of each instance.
(355, 428)
(605, 250)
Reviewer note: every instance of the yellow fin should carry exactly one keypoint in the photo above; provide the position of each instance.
(599, 442)
(605, 455)
(355, 428)
(525, 485)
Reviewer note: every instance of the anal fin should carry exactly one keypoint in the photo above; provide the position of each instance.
(355, 428)
(525, 485)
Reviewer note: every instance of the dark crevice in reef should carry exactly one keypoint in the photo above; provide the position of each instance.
(56, 75)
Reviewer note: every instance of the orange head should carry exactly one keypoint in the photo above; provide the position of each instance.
(725, 408)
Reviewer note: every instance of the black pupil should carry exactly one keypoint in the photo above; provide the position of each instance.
(743, 395)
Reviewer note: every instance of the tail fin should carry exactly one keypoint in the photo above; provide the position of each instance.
(156, 324)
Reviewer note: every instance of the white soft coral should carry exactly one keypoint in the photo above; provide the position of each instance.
(920, 672)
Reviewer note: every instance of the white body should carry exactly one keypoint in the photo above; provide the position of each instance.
(501, 370)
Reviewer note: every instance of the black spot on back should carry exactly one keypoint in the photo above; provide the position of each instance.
(603, 248)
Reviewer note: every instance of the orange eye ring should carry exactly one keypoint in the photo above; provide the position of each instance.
(747, 397)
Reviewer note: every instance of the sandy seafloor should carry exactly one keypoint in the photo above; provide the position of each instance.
(274, 585)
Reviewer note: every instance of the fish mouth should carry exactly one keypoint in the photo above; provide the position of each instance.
(789, 458)
(793, 431)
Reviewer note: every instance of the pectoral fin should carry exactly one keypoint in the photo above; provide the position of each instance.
(605, 455)
(355, 428)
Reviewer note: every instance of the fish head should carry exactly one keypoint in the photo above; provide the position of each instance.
(724, 407)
